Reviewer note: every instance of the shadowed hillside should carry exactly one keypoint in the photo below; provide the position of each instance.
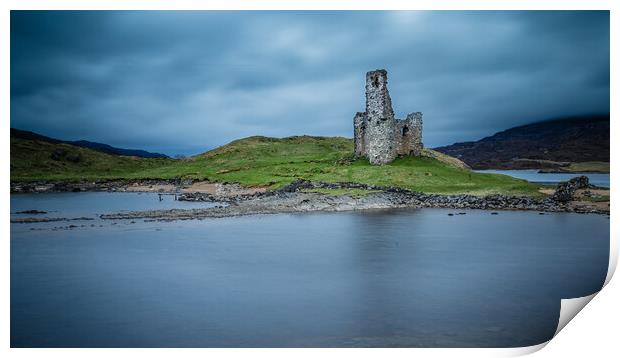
(42, 160)
(548, 144)
(17, 133)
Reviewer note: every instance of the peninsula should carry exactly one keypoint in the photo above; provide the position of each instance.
(385, 165)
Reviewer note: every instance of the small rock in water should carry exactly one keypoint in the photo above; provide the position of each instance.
(494, 213)
(462, 213)
(31, 212)
(541, 213)
(450, 214)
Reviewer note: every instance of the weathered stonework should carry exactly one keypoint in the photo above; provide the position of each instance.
(378, 135)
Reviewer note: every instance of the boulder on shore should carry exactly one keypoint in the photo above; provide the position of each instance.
(566, 190)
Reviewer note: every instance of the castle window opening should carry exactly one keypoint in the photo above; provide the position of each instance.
(405, 130)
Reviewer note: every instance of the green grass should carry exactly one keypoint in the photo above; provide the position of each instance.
(31, 160)
(596, 198)
(262, 161)
(587, 167)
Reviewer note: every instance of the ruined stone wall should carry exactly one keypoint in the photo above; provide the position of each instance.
(380, 143)
(377, 134)
(409, 134)
(359, 134)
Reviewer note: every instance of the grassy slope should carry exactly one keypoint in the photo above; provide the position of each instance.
(31, 160)
(260, 161)
(587, 167)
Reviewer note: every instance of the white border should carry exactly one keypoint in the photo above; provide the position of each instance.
(596, 332)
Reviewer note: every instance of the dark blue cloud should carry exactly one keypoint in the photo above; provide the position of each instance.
(183, 82)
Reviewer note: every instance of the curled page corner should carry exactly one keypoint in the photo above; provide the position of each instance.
(569, 309)
(522, 351)
(613, 259)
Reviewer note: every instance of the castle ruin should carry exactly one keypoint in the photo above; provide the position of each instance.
(378, 135)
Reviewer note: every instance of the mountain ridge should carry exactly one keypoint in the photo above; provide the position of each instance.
(553, 143)
(101, 147)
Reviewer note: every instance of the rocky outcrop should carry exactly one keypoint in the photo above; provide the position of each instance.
(566, 190)
(32, 212)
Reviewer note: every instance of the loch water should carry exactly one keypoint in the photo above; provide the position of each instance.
(377, 278)
(533, 175)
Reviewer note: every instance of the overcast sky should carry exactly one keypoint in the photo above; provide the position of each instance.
(185, 82)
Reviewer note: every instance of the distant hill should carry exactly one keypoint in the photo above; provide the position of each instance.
(37, 159)
(20, 134)
(547, 144)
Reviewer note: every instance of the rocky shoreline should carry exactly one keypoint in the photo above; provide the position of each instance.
(295, 198)
(298, 197)
(106, 185)
(223, 191)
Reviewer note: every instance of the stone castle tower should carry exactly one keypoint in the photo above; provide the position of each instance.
(378, 135)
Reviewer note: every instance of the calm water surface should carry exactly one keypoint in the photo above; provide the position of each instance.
(354, 279)
(92, 204)
(598, 179)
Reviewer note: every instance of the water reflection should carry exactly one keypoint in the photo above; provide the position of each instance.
(532, 175)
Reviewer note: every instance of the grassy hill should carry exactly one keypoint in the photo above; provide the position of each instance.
(41, 160)
(261, 161)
